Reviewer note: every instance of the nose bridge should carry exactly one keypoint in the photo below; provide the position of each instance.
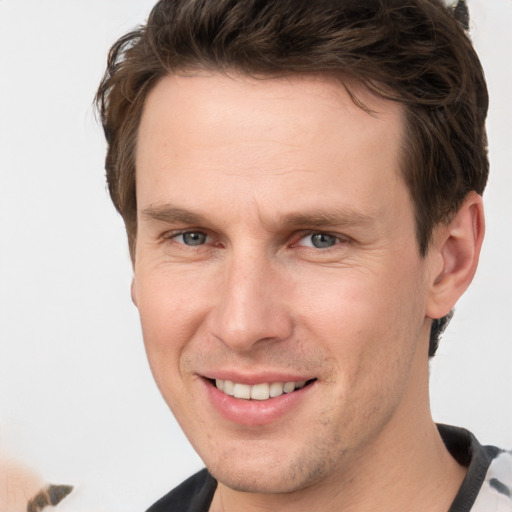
(250, 307)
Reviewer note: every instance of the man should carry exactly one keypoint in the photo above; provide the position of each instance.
(301, 186)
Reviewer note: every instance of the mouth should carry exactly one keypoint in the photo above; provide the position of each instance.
(262, 391)
(254, 401)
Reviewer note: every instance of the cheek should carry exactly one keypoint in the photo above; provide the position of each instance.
(370, 331)
(169, 299)
(171, 312)
(368, 320)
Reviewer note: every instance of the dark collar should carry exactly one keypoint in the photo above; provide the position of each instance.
(467, 451)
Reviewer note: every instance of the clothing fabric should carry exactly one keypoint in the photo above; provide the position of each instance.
(487, 486)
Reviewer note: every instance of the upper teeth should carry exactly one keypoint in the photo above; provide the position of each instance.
(262, 391)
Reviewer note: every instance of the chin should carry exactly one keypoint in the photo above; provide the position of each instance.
(274, 474)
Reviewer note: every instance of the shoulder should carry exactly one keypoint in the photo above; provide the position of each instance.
(496, 491)
(193, 495)
(487, 486)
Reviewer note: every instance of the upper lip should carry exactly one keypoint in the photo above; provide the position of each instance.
(256, 378)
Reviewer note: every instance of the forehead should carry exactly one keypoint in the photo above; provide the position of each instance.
(295, 133)
(190, 102)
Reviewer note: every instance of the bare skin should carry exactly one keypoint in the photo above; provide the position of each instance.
(276, 242)
(18, 484)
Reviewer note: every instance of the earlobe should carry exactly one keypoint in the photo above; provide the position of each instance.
(133, 292)
(456, 250)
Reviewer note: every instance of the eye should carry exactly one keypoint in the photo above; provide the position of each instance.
(319, 240)
(191, 238)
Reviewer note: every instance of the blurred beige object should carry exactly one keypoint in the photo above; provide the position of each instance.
(23, 490)
(18, 484)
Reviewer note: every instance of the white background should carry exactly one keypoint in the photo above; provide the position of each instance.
(77, 400)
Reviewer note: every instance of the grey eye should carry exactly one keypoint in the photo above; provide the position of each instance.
(193, 238)
(323, 240)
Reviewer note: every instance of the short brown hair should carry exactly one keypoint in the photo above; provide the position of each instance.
(413, 52)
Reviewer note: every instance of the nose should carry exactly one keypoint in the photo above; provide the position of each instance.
(251, 303)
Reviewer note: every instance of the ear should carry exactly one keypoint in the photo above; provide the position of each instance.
(133, 291)
(454, 256)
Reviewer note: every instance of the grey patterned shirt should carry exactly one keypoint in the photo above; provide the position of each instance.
(496, 492)
(488, 483)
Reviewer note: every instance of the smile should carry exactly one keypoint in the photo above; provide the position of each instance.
(262, 391)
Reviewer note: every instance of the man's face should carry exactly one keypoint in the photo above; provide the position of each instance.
(276, 246)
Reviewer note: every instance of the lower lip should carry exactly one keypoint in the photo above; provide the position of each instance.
(255, 412)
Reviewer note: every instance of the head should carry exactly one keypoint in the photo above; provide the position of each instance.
(300, 183)
(416, 54)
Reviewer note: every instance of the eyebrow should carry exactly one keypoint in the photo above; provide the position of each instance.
(315, 219)
(318, 219)
(172, 214)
